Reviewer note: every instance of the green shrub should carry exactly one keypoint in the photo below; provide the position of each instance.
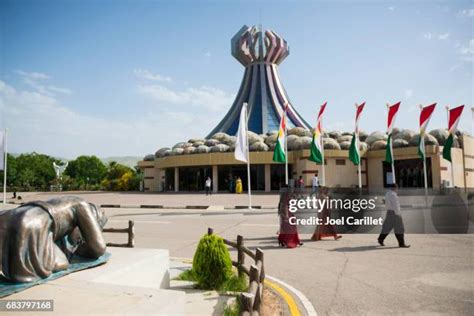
(211, 263)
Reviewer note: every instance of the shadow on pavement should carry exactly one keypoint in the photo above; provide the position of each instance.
(361, 248)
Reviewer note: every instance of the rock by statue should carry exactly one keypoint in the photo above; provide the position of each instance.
(38, 238)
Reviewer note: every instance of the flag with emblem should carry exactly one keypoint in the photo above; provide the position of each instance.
(392, 113)
(317, 146)
(425, 117)
(453, 119)
(279, 155)
(354, 153)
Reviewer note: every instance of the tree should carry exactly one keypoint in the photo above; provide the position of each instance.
(86, 170)
(30, 171)
(120, 178)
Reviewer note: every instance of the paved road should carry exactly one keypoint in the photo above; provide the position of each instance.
(352, 275)
(435, 276)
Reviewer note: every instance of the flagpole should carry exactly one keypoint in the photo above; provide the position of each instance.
(391, 151)
(286, 150)
(360, 159)
(5, 169)
(248, 159)
(358, 149)
(322, 153)
(422, 140)
(451, 162)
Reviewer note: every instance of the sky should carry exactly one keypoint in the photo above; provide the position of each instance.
(116, 78)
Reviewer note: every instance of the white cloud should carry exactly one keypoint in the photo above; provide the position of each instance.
(203, 98)
(468, 13)
(443, 36)
(42, 122)
(454, 67)
(33, 75)
(428, 35)
(467, 53)
(148, 75)
(391, 8)
(36, 80)
(207, 54)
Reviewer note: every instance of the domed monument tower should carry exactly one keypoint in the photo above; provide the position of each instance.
(260, 52)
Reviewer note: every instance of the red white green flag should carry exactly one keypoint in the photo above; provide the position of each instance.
(425, 117)
(316, 153)
(392, 113)
(354, 154)
(453, 119)
(279, 155)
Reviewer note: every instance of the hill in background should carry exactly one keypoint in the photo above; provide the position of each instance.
(130, 161)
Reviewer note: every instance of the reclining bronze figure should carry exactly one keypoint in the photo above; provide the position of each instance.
(39, 238)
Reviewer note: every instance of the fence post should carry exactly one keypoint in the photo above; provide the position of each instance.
(246, 303)
(240, 253)
(210, 231)
(259, 257)
(131, 234)
(254, 276)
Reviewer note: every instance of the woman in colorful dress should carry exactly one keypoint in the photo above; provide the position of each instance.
(324, 230)
(238, 186)
(288, 234)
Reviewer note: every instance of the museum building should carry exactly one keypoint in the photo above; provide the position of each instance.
(185, 166)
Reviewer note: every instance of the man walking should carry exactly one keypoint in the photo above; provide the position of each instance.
(314, 184)
(208, 186)
(393, 219)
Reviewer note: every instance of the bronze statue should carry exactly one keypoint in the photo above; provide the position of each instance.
(38, 238)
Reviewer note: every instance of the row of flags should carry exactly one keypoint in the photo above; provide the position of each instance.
(317, 146)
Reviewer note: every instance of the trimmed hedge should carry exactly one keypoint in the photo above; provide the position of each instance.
(212, 264)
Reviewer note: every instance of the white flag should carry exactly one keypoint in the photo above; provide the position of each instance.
(2, 150)
(241, 149)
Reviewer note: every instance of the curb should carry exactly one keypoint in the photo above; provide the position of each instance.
(293, 293)
(187, 207)
(308, 307)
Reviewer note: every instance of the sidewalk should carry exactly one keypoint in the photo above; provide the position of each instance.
(160, 200)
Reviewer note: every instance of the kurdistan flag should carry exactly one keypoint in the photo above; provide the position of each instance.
(316, 153)
(425, 116)
(354, 154)
(279, 155)
(453, 119)
(392, 112)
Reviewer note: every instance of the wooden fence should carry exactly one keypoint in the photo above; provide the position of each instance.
(130, 230)
(251, 300)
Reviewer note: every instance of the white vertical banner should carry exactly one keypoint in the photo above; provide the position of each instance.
(241, 152)
(241, 148)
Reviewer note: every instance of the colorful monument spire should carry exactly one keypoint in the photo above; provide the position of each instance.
(260, 52)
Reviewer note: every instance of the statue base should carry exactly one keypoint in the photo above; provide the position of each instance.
(133, 281)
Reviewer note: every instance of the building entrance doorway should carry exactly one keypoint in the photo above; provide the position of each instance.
(408, 173)
(228, 175)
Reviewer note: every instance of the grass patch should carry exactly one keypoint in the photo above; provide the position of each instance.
(234, 284)
(187, 275)
(233, 309)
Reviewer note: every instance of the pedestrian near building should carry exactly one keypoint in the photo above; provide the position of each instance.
(238, 186)
(301, 183)
(208, 185)
(314, 184)
(393, 219)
